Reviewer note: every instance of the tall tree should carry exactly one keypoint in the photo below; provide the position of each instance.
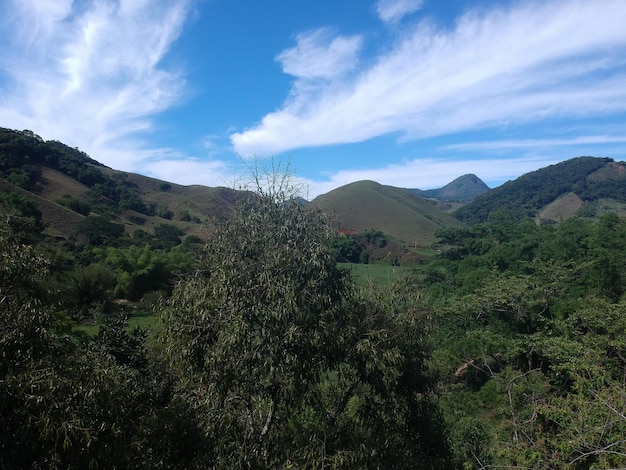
(285, 362)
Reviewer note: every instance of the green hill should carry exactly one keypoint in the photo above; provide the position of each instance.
(397, 212)
(67, 186)
(585, 186)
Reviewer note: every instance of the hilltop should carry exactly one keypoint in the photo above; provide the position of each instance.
(68, 187)
(399, 213)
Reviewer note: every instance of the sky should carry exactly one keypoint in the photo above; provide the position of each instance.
(408, 93)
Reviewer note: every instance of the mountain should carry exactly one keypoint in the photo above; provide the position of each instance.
(397, 212)
(464, 189)
(585, 186)
(71, 191)
(67, 187)
(67, 191)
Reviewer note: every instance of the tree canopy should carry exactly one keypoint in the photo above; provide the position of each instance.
(287, 362)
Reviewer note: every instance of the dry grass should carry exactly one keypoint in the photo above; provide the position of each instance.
(561, 209)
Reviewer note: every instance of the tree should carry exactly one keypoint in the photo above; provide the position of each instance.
(99, 230)
(167, 235)
(140, 270)
(285, 362)
(65, 404)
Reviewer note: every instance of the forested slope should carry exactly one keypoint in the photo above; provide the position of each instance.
(590, 178)
(67, 186)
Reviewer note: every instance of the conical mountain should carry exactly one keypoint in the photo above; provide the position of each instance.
(365, 205)
(465, 188)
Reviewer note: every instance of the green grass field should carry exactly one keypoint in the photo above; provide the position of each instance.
(144, 320)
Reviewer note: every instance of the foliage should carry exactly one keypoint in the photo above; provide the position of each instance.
(345, 249)
(167, 235)
(65, 404)
(286, 364)
(531, 352)
(99, 230)
(76, 204)
(88, 289)
(139, 270)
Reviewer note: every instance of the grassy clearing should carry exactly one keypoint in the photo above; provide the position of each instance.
(144, 320)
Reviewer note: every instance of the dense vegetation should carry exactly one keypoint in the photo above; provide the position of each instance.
(531, 343)
(525, 196)
(269, 356)
(507, 349)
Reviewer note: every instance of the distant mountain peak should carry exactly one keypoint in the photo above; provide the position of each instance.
(463, 189)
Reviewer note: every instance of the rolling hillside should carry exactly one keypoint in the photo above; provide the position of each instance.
(585, 186)
(397, 212)
(67, 187)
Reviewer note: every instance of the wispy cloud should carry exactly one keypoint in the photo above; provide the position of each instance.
(89, 73)
(538, 143)
(392, 11)
(524, 63)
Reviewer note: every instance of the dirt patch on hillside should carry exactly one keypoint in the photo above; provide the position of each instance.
(561, 209)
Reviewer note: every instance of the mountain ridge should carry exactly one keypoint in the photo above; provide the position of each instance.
(583, 186)
(68, 187)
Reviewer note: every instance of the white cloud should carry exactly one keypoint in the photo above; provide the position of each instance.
(529, 62)
(189, 171)
(392, 11)
(89, 73)
(319, 55)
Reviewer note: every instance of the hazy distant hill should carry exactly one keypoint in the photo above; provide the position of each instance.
(585, 186)
(464, 189)
(368, 205)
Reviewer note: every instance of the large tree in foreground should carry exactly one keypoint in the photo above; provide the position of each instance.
(287, 364)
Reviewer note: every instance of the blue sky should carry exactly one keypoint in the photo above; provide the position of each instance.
(410, 93)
